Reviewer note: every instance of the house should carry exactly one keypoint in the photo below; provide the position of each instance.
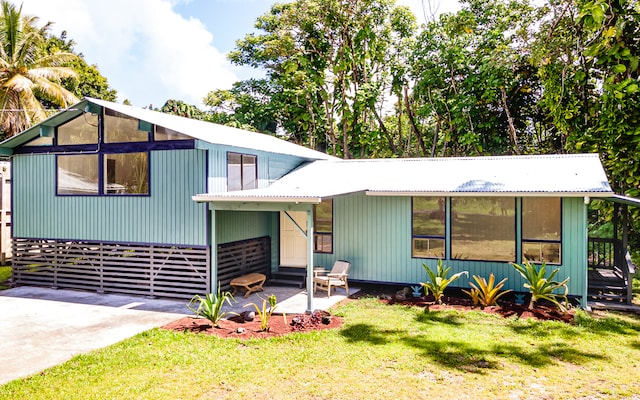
(114, 198)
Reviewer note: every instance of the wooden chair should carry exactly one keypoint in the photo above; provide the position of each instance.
(336, 277)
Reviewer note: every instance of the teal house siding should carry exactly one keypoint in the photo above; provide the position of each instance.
(167, 216)
(271, 166)
(374, 234)
(232, 226)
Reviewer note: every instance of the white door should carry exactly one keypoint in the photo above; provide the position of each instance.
(293, 244)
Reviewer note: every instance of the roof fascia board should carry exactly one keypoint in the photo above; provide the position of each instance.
(36, 130)
(246, 199)
(616, 198)
(490, 194)
(256, 206)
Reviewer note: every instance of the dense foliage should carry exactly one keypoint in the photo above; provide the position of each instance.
(361, 79)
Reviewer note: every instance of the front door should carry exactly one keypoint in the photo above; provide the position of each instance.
(293, 244)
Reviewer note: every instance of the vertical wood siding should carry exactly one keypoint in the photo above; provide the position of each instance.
(374, 233)
(270, 166)
(168, 215)
(232, 226)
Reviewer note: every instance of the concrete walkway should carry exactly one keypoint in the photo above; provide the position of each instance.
(41, 328)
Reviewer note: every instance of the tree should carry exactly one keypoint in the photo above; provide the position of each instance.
(475, 88)
(250, 104)
(27, 72)
(89, 82)
(328, 63)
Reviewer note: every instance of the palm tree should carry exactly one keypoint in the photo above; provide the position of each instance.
(28, 74)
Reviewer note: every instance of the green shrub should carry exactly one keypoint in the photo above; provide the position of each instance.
(210, 306)
(542, 287)
(265, 312)
(486, 293)
(439, 280)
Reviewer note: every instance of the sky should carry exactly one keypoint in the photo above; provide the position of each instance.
(155, 50)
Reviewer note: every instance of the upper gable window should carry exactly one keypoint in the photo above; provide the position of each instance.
(120, 128)
(41, 141)
(162, 133)
(242, 171)
(80, 130)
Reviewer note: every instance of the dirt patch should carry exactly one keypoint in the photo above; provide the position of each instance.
(238, 328)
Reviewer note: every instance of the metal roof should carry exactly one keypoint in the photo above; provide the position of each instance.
(205, 131)
(540, 175)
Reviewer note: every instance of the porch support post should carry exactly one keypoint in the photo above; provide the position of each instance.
(214, 252)
(309, 261)
(585, 243)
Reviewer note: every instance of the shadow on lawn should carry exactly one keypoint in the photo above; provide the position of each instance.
(475, 359)
(368, 333)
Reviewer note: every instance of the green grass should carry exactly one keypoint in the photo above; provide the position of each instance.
(5, 275)
(636, 287)
(381, 352)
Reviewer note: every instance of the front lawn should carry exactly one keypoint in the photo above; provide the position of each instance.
(381, 352)
(5, 275)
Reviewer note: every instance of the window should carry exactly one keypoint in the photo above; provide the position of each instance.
(126, 173)
(78, 174)
(483, 228)
(80, 130)
(122, 174)
(242, 172)
(162, 133)
(120, 128)
(541, 229)
(428, 227)
(323, 225)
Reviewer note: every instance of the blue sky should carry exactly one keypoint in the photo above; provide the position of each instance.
(155, 50)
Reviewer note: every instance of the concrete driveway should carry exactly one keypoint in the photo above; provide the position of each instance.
(40, 328)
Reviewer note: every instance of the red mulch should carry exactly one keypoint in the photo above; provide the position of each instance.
(237, 327)
(505, 309)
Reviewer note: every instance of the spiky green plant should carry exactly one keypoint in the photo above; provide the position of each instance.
(486, 293)
(265, 312)
(210, 306)
(474, 293)
(438, 280)
(542, 287)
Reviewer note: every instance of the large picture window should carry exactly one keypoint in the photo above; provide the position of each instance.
(78, 174)
(483, 228)
(323, 226)
(121, 174)
(242, 171)
(126, 173)
(541, 229)
(428, 227)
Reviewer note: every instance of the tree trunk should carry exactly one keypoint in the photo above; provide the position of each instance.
(412, 121)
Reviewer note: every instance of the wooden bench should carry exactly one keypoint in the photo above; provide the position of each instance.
(251, 283)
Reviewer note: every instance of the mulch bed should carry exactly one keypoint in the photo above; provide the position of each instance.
(238, 327)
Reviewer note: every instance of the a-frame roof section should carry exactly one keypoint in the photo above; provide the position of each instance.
(522, 176)
(201, 130)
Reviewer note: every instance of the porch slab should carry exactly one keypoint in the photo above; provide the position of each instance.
(291, 300)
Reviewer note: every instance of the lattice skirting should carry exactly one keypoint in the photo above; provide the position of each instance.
(147, 270)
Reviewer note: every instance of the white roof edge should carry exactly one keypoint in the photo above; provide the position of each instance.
(208, 198)
(490, 194)
(217, 134)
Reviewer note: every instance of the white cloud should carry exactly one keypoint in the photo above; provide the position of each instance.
(143, 47)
